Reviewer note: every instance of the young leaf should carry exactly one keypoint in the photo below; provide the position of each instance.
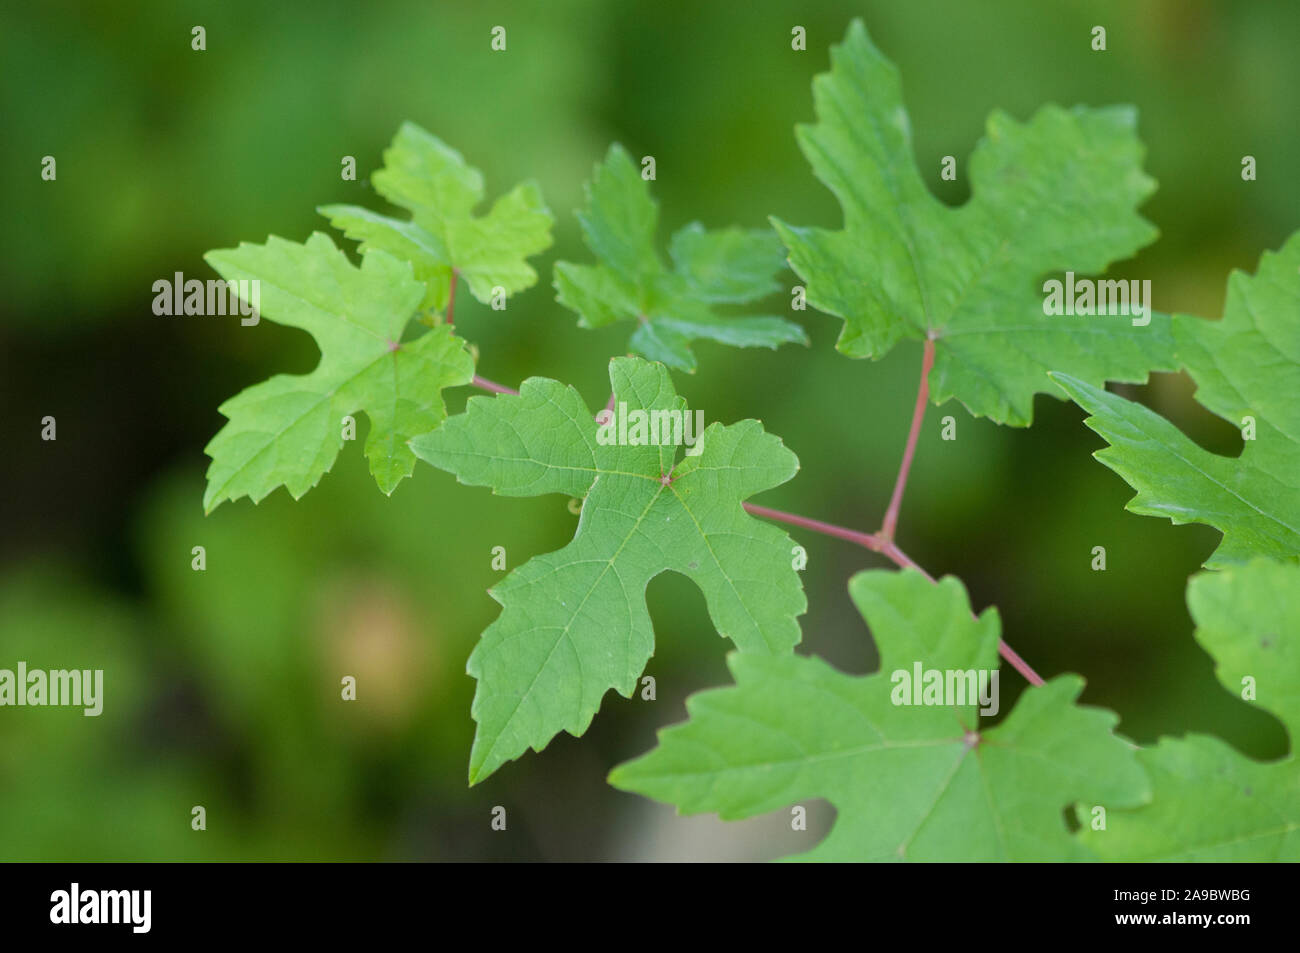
(908, 782)
(574, 622)
(288, 430)
(1210, 802)
(1052, 194)
(673, 308)
(1245, 366)
(430, 180)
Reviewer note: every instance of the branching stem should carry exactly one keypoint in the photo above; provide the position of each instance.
(873, 543)
(883, 541)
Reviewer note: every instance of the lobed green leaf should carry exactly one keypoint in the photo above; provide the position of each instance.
(908, 782)
(1247, 371)
(288, 430)
(1210, 802)
(428, 178)
(1055, 194)
(574, 622)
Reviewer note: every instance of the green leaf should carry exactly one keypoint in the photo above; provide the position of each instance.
(908, 782)
(672, 307)
(1054, 194)
(1211, 803)
(574, 622)
(287, 431)
(425, 176)
(1246, 365)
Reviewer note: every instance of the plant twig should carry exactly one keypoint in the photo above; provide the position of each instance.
(918, 414)
(873, 543)
(888, 549)
(1019, 664)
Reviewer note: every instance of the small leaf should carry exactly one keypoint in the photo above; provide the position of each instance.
(432, 181)
(574, 622)
(287, 431)
(908, 782)
(673, 308)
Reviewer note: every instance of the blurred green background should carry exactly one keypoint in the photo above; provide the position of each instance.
(222, 687)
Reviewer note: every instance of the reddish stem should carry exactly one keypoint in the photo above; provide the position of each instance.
(873, 543)
(451, 296)
(891, 550)
(1019, 664)
(888, 549)
(492, 386)
(918, 414)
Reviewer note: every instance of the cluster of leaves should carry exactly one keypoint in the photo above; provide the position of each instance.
(1056, 193)
(675, 307)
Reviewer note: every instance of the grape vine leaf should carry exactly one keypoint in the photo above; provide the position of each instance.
(432, 181)
(1211, 803)
(673, 308)
(1245, 365)
(574, 622)
(919, 782)
(288, 430)
(1058, 192)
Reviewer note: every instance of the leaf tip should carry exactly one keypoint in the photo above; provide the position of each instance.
(618, 776)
